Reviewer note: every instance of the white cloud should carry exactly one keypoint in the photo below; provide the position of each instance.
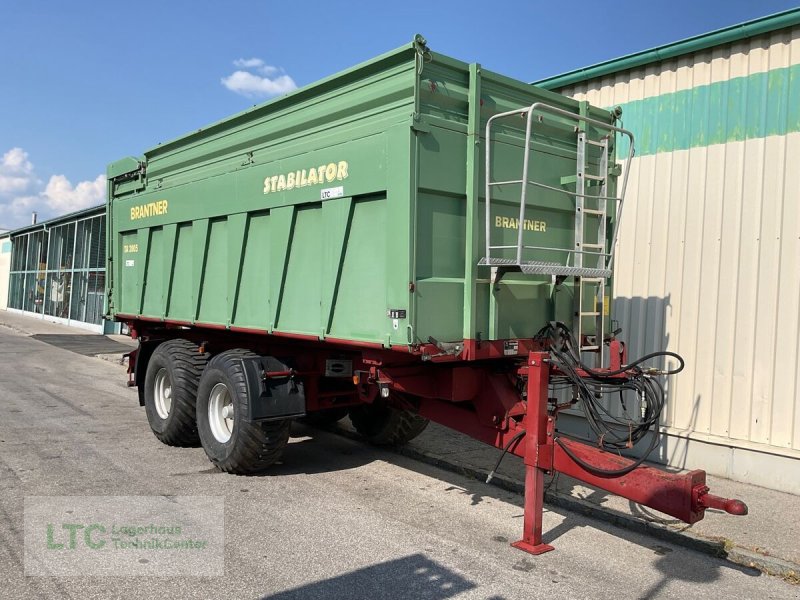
(258, 80)
(61, 197)
(22, 192)
(248, 63)
(16, 172)
(270, 70)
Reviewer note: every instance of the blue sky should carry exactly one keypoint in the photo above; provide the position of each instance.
(83, 84)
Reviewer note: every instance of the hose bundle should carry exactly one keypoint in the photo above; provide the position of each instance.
(613, 432)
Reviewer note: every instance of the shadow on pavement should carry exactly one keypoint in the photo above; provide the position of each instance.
(320, 451)
(86, 344)
(414, 576)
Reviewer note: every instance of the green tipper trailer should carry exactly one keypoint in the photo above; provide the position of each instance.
(389, 243)
(351, 209)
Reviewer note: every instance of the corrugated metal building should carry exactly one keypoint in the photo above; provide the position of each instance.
(5, 267)
(709, 245)
(57, 270)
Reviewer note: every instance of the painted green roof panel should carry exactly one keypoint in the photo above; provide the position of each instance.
(727, 35)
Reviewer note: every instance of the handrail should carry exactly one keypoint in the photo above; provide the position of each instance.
(528, 111)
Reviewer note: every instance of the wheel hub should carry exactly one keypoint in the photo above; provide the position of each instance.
(162, 392)
(220, 413)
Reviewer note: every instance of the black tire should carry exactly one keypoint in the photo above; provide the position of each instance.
(252, 447)
(384, 425)
(325, 418)
(182, 363)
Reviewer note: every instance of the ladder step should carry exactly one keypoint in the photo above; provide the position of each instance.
(594, 245)
(594, 177)
(590, 314)
(593, 143)
(587, 348)
(593, 280)
(592, 211)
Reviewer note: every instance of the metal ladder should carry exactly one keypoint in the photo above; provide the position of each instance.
(596, 248)
(591, 260)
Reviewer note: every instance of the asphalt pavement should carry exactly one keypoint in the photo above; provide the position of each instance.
(336, 519)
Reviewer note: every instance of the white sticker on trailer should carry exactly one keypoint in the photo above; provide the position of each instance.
(335, 192)
(130, 263)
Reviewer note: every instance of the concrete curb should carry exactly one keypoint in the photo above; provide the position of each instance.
(13, 329)
(724, 549)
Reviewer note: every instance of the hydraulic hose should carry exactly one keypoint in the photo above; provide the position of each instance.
(507, 447)
(613, 433)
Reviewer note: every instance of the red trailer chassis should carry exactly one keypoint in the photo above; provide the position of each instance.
(500, 416)
(473, 388)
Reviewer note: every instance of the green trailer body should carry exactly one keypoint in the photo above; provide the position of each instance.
(325, 254)
(353, 209)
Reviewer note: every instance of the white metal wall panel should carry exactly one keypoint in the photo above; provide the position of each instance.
(708, 261)
(709, 266)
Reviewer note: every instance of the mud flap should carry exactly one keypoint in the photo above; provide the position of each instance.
(274, 392)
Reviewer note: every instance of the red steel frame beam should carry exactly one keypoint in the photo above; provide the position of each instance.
(683, 496)
(483, 403)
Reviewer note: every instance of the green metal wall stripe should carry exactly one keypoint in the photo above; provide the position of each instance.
(738, 109)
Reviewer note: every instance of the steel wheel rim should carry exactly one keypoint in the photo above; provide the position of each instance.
(220, 413)
(163, 393)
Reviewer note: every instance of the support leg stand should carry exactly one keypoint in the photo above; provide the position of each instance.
(536, 425)
(531, 541)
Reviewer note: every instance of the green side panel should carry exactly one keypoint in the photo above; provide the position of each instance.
(200, 229)
(145, 235)
(441, 242)
(181, 301)
(523, 305)
(168, 264)
(252, 309)
(360, 308)
(300, 307)
(237, 244)
(440, 236)
(439, 310)
(214, 295)
(336, 215)
(129, 288)
(154, 290)
(282, 223)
